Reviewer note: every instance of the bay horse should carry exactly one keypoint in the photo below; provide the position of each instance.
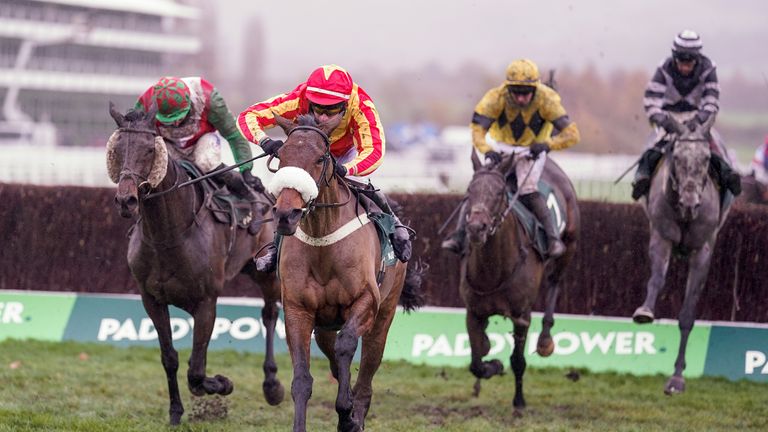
(684, 211)
(180, 256)
(328, 263)
(501, 273)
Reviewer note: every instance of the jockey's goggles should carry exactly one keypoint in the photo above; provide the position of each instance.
(329, 110)
(521, 90)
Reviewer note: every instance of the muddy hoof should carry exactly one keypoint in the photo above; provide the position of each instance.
(226, 385)
(545, 347)
(643, 315)
(674, 386)
(274, 392)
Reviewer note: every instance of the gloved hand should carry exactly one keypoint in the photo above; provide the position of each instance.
(665, 122)
(270, 146)
(340, 170)
(492, 157)
(253, 181)
(537, 148)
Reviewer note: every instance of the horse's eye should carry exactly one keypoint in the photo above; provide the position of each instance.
(321, 160)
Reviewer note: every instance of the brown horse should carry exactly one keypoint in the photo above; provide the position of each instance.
(180, 256)
(501, 273)
(329, 260)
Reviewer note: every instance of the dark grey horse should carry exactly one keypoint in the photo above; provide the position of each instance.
(683, 208)
(180, 256)
(501, 273)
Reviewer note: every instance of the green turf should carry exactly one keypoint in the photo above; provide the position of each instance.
(88, 387)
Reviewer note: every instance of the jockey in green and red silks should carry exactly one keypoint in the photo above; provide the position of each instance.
(193, 117)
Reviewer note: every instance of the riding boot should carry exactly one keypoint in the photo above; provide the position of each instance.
(268, 263)
(234, 182)
(727, 178)
(535, 203)
(645, 167)
(401, 239)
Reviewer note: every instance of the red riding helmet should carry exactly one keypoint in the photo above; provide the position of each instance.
(329, 85)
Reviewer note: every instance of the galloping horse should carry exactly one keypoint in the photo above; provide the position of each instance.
(685, 215)
(180, 256)
(501, 273)
(329, 260)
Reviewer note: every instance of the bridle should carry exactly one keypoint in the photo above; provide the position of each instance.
(323, 180)
(498, 216)
(133, 174)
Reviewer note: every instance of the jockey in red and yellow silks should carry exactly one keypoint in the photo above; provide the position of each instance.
(357, 143)
(360, 128)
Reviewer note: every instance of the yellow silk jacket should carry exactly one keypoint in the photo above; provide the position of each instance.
(513, 125)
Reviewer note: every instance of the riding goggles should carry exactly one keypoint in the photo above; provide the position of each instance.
(329, 110)
(521, 90)
(685, 57)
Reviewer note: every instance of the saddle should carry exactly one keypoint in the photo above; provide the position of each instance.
(225, 206)
(532, 227)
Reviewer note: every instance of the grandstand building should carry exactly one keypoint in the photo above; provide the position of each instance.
(61, 61)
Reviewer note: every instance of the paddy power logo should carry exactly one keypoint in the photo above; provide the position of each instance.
(566, 343)
(243, 328)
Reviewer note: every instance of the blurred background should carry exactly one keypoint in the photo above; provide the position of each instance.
(424, 63)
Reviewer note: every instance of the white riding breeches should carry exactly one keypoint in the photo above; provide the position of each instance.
(206, 153)
(528, 170)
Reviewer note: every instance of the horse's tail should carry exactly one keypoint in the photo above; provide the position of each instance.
(412, 297)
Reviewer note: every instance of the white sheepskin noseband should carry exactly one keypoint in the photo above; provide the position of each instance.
(294, 178)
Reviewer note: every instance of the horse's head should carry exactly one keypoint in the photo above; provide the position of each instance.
(137, 158)
(486, 199)
(305, 165)
(690, 166)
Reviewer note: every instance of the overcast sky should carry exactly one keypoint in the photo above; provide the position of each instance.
(406, 34)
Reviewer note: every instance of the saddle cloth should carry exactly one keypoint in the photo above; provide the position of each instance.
(532, 226)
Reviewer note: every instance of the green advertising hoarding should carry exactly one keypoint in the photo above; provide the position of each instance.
(42, 316)
(437, 336)
(433, 336)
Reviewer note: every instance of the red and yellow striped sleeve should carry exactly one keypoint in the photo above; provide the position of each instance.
(369, 136)
(258, 117)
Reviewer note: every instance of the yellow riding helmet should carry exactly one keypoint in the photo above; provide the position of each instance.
(522, 72)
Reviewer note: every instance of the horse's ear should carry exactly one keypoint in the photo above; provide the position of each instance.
(680, 128)
(284, 123)
(150, 116)
(330, 125)
(476, 164)
(119, 118)
(707, 125)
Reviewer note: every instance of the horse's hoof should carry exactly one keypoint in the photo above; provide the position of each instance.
(274, 392)
(545, 347)
(643, 315)
(494, 367)
(674, 386)
(226, 386)
(176, 418)
(349, 426)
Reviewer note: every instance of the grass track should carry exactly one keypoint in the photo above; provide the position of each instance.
(118, 389)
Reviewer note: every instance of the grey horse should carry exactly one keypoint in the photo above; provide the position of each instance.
(685, 215)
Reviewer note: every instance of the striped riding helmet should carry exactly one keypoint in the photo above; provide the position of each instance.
(329, 85)
(687, 42)
(173, 99)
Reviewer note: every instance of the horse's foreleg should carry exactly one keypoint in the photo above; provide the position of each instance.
(359, 322)
(158, 313)
(698, 268)
(659, 251)
(298, 332)
(545, 345)
(517, 362)
(480, 345)
(199, 384)
(273, 389)
(326, 340)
